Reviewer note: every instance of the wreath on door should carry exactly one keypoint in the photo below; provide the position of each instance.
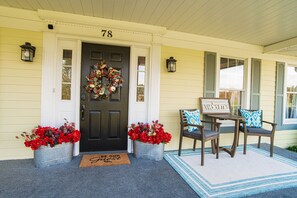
(103, 81)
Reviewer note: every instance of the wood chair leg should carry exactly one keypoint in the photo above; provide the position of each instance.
(194, 145)
(244, 144)
(202, 152)
(271, 146)
(180, 145)
(218, 148)
(259, 142)
(213, 149)
(238, 138)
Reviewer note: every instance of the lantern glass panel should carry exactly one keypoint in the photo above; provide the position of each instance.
(26, 54)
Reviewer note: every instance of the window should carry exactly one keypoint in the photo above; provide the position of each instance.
(231, 83)
(291, 88)
(140, 79)
(66, 74)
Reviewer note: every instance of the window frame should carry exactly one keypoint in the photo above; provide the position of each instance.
(287, 121)
(245, 100)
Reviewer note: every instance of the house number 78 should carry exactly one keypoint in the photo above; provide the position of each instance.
(106, 33)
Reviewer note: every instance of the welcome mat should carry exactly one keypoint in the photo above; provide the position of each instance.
(243, 175)
(112, 159)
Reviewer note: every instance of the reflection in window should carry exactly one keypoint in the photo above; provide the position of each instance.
(66, 74)
(291, 104)
(140, 79)
(231, 81)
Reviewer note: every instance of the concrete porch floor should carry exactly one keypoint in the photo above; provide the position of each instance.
(143, 178)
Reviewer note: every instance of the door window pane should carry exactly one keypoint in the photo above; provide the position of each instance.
(140, 79)
(66, 92)
(67, 57)
(66, 75)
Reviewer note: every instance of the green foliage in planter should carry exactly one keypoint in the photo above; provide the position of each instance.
(292, 148)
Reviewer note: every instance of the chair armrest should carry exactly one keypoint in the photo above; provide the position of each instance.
(196, 125)
(217, 124)
(273, 124)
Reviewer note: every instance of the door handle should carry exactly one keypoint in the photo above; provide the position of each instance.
(83, 108)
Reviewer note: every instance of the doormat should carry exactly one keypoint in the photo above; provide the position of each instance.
(112, 159)
(243, 175)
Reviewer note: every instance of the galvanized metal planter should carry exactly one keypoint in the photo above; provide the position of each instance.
(148, 151)
(47, 156)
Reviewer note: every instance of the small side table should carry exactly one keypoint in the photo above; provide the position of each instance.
(234, 118)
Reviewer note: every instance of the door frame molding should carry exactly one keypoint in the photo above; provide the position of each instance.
(49, 78)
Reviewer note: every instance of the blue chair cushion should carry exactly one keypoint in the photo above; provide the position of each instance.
(255, 130)
(252, 118)
(193, 117)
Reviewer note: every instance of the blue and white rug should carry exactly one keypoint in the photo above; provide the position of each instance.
(243, 175)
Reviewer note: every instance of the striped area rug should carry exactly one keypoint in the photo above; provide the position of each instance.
(240, 176)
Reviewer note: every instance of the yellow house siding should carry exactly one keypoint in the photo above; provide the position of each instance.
(267, 89)
(20, 91)
(180, 90)
(267, 104)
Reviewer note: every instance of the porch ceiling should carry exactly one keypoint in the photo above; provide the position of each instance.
(269, 23)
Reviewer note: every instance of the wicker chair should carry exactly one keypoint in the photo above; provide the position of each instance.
(201, 134)
(251, 131)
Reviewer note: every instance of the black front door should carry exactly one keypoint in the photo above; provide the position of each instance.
(103, 123)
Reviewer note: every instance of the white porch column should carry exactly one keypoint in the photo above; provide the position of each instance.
(154, 80)
(48, 79)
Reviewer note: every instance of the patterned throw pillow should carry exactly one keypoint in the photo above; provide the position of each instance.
(252, 118)
(193, 117)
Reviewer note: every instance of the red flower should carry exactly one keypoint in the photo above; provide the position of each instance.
(152, 134)
(43, 136)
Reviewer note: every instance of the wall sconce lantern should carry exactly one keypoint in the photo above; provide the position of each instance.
(27, 52)
(171, 64)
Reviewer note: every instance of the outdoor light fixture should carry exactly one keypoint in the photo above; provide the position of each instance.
(171, 64)
(27, 52)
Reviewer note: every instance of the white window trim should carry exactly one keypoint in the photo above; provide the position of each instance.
(246, 84)
(285, 120)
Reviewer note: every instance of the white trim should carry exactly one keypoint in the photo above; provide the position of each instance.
(48, 79)
(248, 83)
(137, 110)
(71, 24)
(154, 83)
(280, 45)
(62, 17)
(217, 76)
(77, 95)
(153, 54)
(286, 120)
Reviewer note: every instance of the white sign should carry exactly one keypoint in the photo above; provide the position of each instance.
(214, 105)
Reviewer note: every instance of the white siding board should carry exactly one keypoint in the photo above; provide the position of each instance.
(204, 11)
(117, 11)
(107, 8)
(170, 11)
(98, 8)
(173, 22)
(129, 7)
(66, 6)
(160, 9)
(77, 7)
(87, 7)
